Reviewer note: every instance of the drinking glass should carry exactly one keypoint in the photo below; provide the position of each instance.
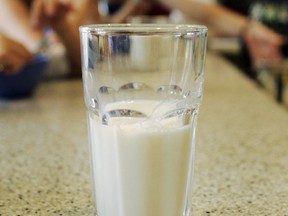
(143, 86)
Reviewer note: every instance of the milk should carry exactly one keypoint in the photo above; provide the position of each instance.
(140, 167)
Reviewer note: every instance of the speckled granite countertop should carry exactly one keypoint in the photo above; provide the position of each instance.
(241, 163)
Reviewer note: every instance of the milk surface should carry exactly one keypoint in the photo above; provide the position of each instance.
(140, 168)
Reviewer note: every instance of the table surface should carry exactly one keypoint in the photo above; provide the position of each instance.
(241, 156)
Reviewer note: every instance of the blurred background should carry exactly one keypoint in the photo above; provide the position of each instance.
(252, 35)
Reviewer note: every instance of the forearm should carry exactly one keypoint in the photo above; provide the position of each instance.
(223, 20)
(15, 22)
(130, 8)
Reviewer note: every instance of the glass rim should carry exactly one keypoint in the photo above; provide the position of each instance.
(142, 28)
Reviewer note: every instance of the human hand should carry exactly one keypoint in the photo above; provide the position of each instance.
(264, 46)
(13, 55)
(49, 11)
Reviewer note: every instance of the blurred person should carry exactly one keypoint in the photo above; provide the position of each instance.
(263, 43)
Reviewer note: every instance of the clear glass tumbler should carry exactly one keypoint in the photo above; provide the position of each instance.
(143, 87)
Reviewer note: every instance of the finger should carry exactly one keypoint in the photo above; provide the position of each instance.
(267, 35)
(37, 14)
(267, 60)
(23, 53)
(14, 68)
(15, 56)
(276, 39)
(18, 49)
(51, 7)
(12, 63)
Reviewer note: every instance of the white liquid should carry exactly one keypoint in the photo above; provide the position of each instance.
(140, 169)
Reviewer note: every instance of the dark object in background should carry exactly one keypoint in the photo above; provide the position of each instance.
(285, 49)
(23, 83)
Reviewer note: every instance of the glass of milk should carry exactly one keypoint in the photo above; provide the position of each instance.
(143, 86)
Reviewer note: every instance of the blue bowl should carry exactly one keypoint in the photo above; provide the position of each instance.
(23, 83)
